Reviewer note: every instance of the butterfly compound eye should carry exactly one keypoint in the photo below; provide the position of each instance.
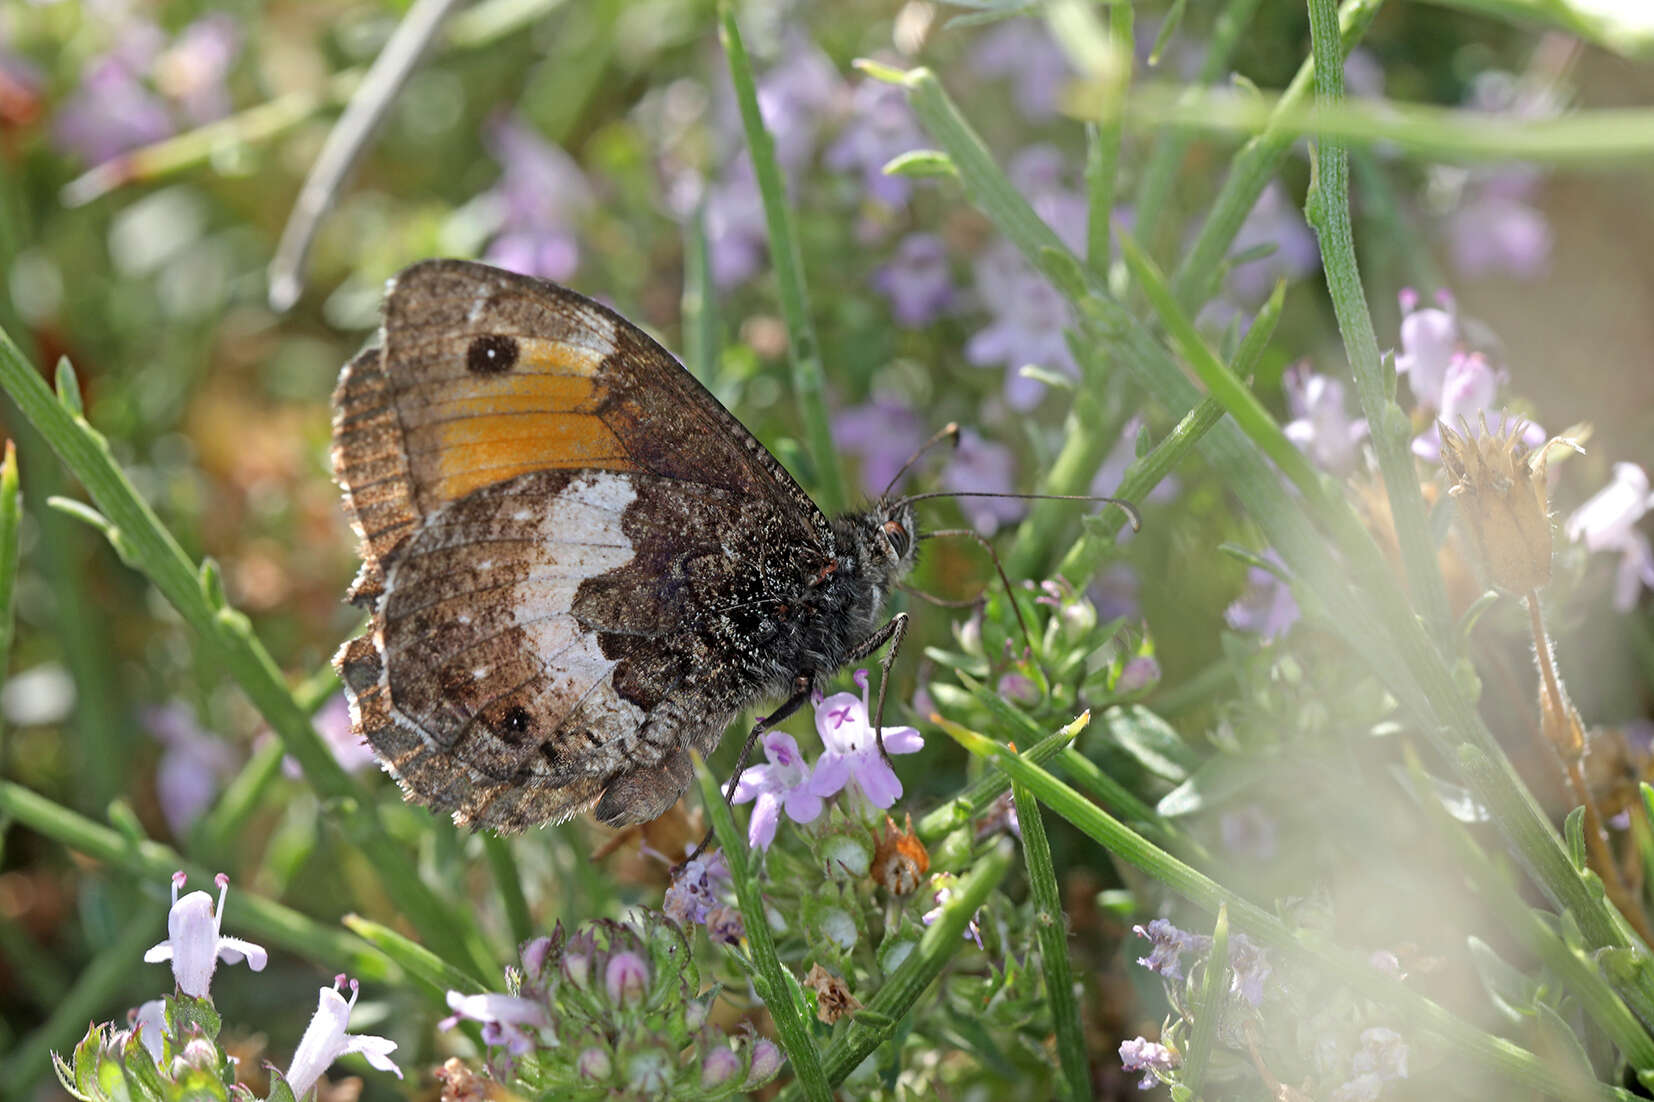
(898, 537)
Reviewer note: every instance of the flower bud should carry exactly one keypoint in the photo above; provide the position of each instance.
(1139, 673)
(649, 1072)
(718, 1067)
(766, 1061)
(594, 1064)
(827, 920)
(846, 850)
(626, 979)
(577, 958)
(535, 952)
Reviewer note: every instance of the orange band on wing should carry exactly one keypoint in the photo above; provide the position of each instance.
(474, 452)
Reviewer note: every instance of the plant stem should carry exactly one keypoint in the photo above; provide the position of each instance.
(508, 880)
(1051, 928)
(808, 381)
(778, 988)
(1328, 210)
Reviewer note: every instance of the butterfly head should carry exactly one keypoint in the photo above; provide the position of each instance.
(898, 536)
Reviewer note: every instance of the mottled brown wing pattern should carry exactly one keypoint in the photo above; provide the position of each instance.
(509, 444)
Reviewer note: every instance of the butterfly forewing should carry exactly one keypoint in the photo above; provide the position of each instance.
(544, 497)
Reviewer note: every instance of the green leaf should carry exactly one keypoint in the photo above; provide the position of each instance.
(1148, 739)
(1573, 829)
(921, 164)
(437, 975)
(1511, 991)
(186, 1014)
(68, 387)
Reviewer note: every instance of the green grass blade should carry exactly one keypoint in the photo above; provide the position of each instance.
(1051, 928)
(808, 383)
(1210, 1007)
(508, 880)
(251, 915)
(976, 796)
(784, 1008)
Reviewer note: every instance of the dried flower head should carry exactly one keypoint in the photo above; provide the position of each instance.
(900, 862)
(1499, 482)
(833, 998)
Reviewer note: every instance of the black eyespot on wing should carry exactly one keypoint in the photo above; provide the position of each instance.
(491, 354)
(517, 721)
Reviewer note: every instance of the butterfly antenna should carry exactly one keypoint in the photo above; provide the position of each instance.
(999, 568)
(949, 431)
(939, 602)
(1132, 514)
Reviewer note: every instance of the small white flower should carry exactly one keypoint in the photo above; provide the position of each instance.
(506, 1020)
(194, 944)
(325, 1040)
(150, 1020)
(1608, 522)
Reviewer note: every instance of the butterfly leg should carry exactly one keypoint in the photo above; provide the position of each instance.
(800, 693)
(893, 633)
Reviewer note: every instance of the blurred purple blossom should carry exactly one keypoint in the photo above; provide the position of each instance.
(1249, 831)
(882, 434)
(111, 112)
(1267, 607)
(1429, 341)
(983, 466)
(1149, 1057)
(1114, 591)
(1494, 228)
(1027, 319)
(1273, 220)
(540, 198)
(1139, 673)
(736, 234)
(917, 280)
(193, 70)
(509, 1021)
(796, 97)
(193, 767)
(1045, 178)
(1608, 522)
(880, 128)
(1320, 427)
(127, 95)
(332, 723)
(1023, 51)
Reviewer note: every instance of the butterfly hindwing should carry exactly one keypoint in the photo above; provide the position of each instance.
(542, 494)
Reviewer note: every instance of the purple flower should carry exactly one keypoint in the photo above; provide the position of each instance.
(882, 434)
(1166, 958)
(194, 942)
(697, 888)
(193, 767)
(852, 754)
(1468, 396)
(881, 127)
(1154, 1060)
(192, 72)
(1496, 234)
(1248, 969)
(110, 113)
(736, 233)
(325, 1040)
(1027, 318)
(1138, 674)
(785, 783)
(507, 1021)
(1024, 51)
(626, 979)
(1429, 342)
(1382, 1052)
(1320, 428)
(917, 281)
(1607, 522)
(982, 466)
(539, 200)
(794, 97)
(1114, 591)
(332, 723)
(1043, 175)
(1273, 220)
(1267, 607)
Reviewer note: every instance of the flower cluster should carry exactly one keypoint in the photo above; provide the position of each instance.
(613, 1007)
(850, 760)
(170, 1045)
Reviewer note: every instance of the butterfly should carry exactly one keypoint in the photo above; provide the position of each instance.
(579, 566)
